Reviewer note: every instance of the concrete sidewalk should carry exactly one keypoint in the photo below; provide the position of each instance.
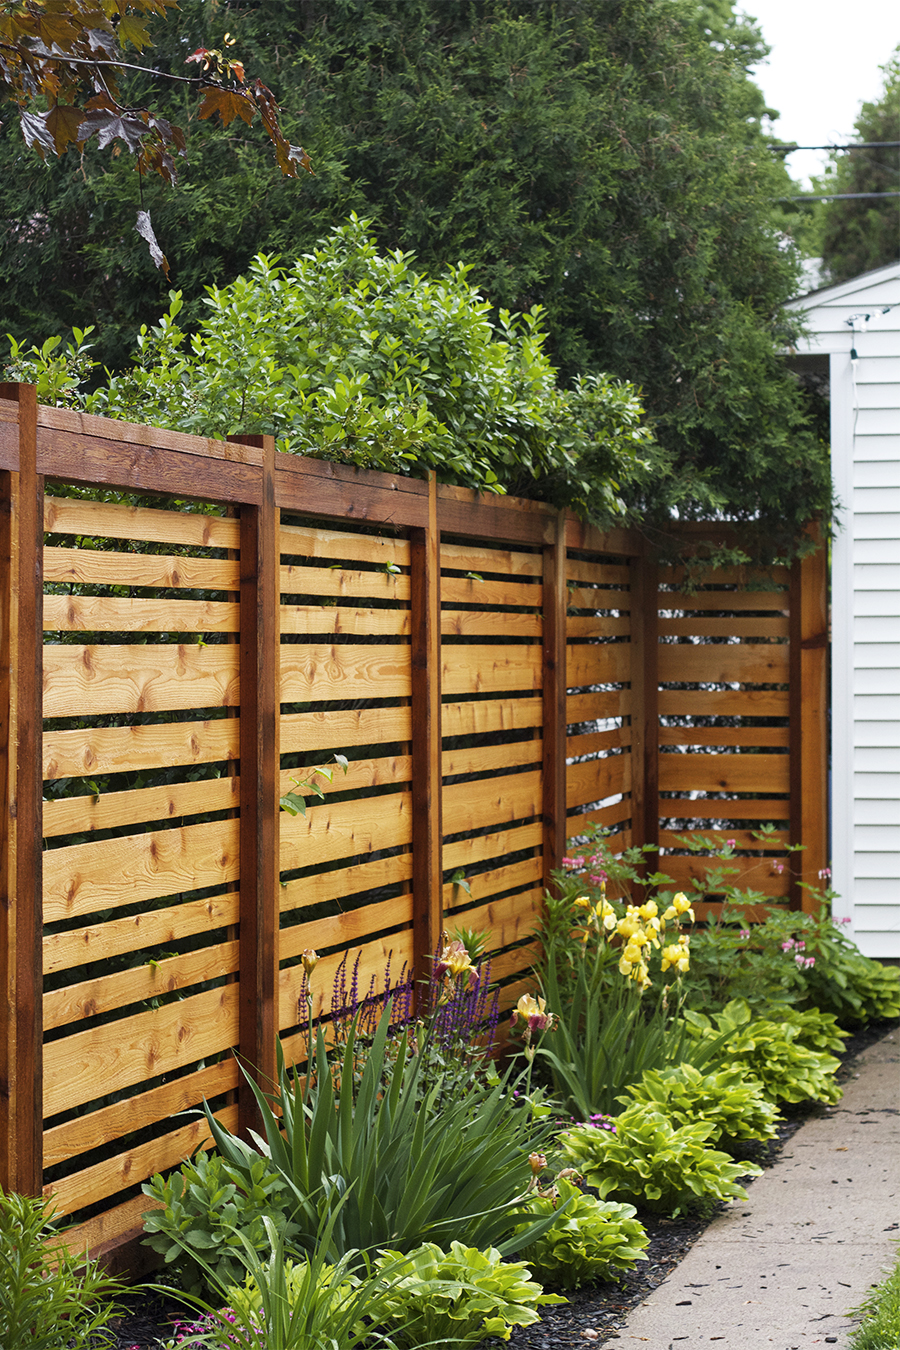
(818, 1231)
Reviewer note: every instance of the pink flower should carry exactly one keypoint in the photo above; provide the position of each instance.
(778, 867)
(729, 843)
(597, 878)
(825, 874)
(788, 945)
(744, 933)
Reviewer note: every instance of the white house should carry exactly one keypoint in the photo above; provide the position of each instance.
(854, 337)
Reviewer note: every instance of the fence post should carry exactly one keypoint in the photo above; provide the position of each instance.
(644, 587)
(260, 638)
(809, 721)
(21, 665)
(427, 836)
(555, 606)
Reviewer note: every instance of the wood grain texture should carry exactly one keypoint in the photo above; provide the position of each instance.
(339, 728)
(554, 688)
(725, 601)
(361, 774)
(345, 882)
(730, 626)
(151, 928)
(737, 736)
(484, 623)
(342, 491)
(114, 520)
(323, 620)
(336, 830)
(598, 626)
(597, 572)
(598, 663)
(724, 773)
(489, 758)
(374, 957)
(595, 779)
(603, 703)
(316, 541)
(319, 671)
(99, 567)
(742, 839)
(511, 918)
(88, 1064)
(489, 668)
(112, 810)
(492, 801)
(598, 742)
(599, 599)
(138, 435)
(723, 703)
(113, 614)
(348, 928)
(473, 557)
(498, 844)
(490, 715)
(459, 902)
(153, 677)
(587, 538)
(106, 874)
(746, 874)
(468, 591)
(344, 583)
(723, 663)
(99, 750)
(506, 519)
(759, 809)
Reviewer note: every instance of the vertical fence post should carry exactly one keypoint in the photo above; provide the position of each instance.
(260, 772)
(427, 836)
(809, 722)
(22, 554)
(555, 598)
(644, 587)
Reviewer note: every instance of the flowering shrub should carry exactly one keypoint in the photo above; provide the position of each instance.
(592, 1239)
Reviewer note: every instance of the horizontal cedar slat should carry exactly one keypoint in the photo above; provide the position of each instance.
(152, 928)
(739, 736)
(362, 773)
(111, 1122)
(607, 816)
(108, 873)
(598, 598)
(89, 1064)
(513, 962)
(596, 626)
(728, 627)
(598, 573)
(489, 668)
(106, 1178)
(331, 831)
(525, 873)
(344, 727)
(79, 815)
(466, 852)
(491, 801)
(595, 742)
(466, 591)
(99, 567)
(749, 875)
(601, 704)
(96, 750)
(743, 839)
(347, 928)
(506, 921)
(597, 778)
(105, 614)
(724, 773)
(343, 882)
(487, 758)
(314, 541)
(344, 670)
(481, 558)
(373, 960)
(598, 663)
(344, 583)
(324, 619)
(704, 808)
(723, 703)
(149, 677)
(484, 623)
(723, 663)
(108, 1230)
(109, 992)
(489, 715)
(725, 601)
(109, 520)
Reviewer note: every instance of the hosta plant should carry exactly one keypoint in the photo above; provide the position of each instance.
(592, 1240)
(654, 1165)
(457, 1297)
(733, 1104)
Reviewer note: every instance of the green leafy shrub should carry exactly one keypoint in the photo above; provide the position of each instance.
(209, 1208)
(773, 1052)
(50, 1299)
(457, 1297)
(651, 1163)
(591, 1240)
(733, 1104)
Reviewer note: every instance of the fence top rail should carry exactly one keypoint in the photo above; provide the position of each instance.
(135, 433)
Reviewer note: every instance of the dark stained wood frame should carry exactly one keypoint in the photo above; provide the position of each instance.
(809, 641)
(555, 595)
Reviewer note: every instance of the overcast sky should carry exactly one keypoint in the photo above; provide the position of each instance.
(824, 62)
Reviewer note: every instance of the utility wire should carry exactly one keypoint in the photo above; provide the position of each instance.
(838, 197)
(856, 145)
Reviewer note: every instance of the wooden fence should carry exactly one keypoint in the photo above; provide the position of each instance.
(496, 673)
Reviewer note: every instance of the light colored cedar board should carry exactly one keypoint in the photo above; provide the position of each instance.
(344, 583)
(362, 773)
(96, 750)
(313, 541)
(374, 956)
(598, 663)
(484, 623)
(723, 663)
(740, 736)
(489, 668)
(106, 1233)
(703, 808)
(754, 875)
(346, 929)
(467, 852)
(595, 779)
(99, 567)
(507, 920)
(597, 626)
(318, 671)
(344, 727)
(723, 703)
(465, 591)
(512, 962)
(724, 773)
(149, 677)
(744, 575)
(608, 816)
(553, 764)
(105, 1179)
(111, 810)
(132, 1049)
(109, 520)
(602, 704)
(81, 426)
(769, 627)
(108, 873)
(115, 614)
(491, 801)
(488, 758)
(331, 831)
(489, 715)
(344, 882)
(152, 928)
(735, 601)
(458, 902)
(106, 993)
(595, 742)
(123, 1117)
(599, 598)
(481, 558)
(323, 620)
(597, 573)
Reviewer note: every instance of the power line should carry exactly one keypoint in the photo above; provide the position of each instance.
(856, 145)
(839, 197)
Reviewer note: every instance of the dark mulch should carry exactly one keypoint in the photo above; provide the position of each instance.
(594, 1314)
